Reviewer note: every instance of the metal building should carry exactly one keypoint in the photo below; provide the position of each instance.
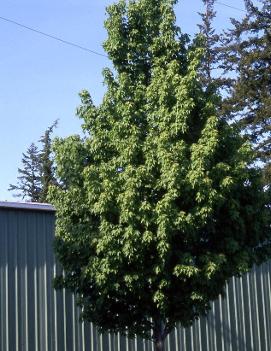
(35, 317)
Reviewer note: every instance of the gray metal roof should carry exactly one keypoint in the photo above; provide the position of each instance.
(34, 206)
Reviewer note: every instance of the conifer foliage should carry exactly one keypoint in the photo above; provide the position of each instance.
(29, 185)
(38, 171)
(47, 167)
(211, 44)
(160, 206)
(247, 53)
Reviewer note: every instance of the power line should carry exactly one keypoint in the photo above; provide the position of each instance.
(264, 15)
(229, 6)
(63, 41)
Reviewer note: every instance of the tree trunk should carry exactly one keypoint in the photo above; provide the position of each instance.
(159, 335)
(159, 345)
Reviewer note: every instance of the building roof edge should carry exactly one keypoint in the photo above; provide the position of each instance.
(34, 206)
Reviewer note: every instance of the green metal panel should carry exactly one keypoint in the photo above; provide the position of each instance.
(35, 317)
(26, 266)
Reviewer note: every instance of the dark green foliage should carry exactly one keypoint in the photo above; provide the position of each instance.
(211, 44)
(47, 162)
(160, 206)
(248, 56)
(29, 182)
(38, 171)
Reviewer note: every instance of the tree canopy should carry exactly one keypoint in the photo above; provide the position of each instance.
(159, 205)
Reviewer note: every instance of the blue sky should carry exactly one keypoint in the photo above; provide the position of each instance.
(41, 78)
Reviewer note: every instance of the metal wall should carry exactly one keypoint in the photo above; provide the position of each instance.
(34, 317)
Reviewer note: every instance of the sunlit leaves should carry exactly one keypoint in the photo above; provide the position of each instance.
(159, 197)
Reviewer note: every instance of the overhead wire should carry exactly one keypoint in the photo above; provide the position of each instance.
(264, 15)
(67, 42)
(51, 36)
(229, 6)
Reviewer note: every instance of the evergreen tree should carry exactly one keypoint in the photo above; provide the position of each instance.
(212, 70)
(160, 206)
(47, 162)
(211, 40)
(247, 59)
(29, 180)
(38, 171)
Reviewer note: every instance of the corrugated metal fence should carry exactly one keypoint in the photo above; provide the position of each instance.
(34, 317)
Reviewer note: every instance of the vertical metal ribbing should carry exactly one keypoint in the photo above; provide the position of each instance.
(92, 337)
(221, 324)
(41, 291)
(239, 299)
(16, 302)
(242, 317)
(256, 311)
(49, 291)
(127, 344)
(200, 337)
(234, 298)
(197, 335)
(101, 342)
(64, 320)
(73, 323)
(36, 272)
(3, 284)
(265, 306)
(81, 335)
(2, 288)
(203, 333)
(268, 306)
(183, 339)
(55, 315)
(211, 334)
(119, 342)
(229, 319)
(26, 285)
(33, 316)
(247, 309)
(47, 285)
(176, 340)
(7, 290)
(262, 306)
